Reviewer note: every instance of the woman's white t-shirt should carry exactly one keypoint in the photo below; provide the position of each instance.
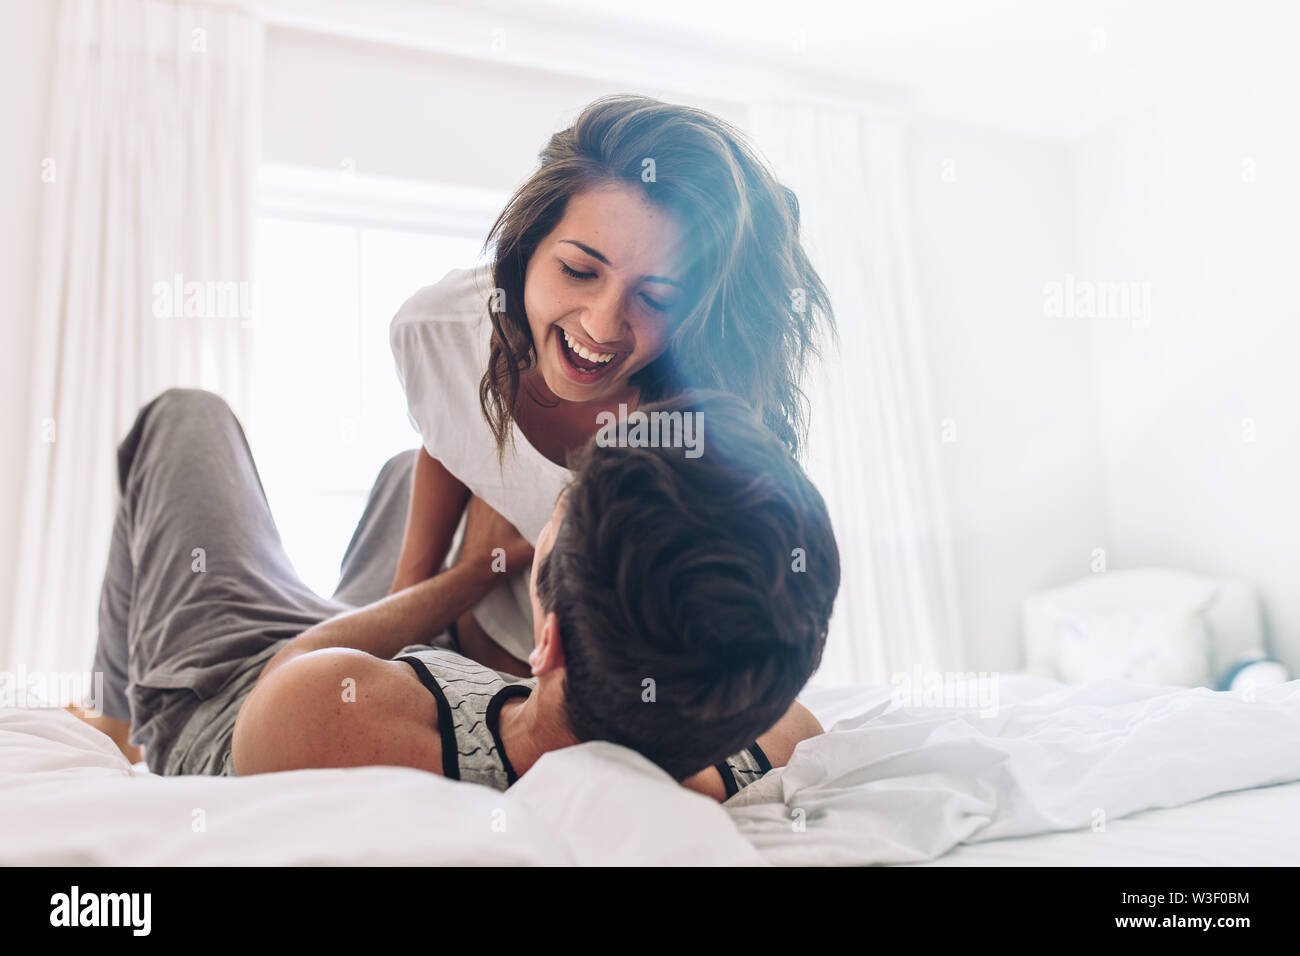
(441, 342)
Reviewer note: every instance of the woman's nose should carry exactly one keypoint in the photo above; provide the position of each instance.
(603, 322)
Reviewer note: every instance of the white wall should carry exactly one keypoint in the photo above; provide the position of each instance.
(993, 218)
(26, 38)
(471, 122)
(1162, 198)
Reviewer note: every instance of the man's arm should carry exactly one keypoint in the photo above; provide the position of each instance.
(778, 744)
(492, 548)
(332, 698)
(415, 615)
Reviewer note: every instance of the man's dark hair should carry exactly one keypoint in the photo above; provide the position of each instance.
(711, 576)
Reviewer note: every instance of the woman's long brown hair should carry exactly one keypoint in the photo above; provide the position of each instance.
(754, 301)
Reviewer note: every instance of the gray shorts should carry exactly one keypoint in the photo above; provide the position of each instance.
(198, 591)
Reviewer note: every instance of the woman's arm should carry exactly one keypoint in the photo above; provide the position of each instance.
(438, 500)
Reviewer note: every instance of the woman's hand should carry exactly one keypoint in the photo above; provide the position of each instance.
(492, 545)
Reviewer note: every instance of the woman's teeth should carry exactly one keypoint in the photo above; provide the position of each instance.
(600, 357)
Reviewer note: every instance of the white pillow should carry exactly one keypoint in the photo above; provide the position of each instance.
(1147, 645)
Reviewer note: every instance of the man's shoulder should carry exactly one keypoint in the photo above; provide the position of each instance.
(338, 707)
(447, 665)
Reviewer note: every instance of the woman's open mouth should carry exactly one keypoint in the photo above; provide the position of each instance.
(581, 364)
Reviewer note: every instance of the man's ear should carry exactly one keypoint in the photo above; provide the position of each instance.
(547, 653)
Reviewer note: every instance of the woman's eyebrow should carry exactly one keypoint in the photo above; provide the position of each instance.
(596, 254)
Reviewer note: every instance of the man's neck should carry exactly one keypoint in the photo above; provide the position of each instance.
(529, 729)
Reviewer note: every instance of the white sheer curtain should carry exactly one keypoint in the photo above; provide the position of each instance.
(148, 191)
(873, 442)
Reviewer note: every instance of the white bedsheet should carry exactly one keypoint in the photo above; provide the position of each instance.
(68, 797)
(886, 785)
(1256, 827)
(905, 785)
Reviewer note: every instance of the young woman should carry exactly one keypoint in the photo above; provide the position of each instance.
(649, 252)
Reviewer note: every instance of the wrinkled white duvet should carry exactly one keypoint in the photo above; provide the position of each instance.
(893, 785)
(887, 784)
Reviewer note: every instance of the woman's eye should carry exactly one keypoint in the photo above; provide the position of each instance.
(653, 304)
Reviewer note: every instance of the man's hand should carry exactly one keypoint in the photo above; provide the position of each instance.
(492, 545)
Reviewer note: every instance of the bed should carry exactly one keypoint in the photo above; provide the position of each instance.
(1107, 773)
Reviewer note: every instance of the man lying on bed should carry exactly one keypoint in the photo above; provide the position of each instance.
(679, 605)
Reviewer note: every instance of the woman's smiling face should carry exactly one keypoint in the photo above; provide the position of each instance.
(602, 292)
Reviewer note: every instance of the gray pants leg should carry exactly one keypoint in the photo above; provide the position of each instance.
(371, 559)
(197, 579)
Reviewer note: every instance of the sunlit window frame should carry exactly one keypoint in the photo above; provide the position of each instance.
(346, 197)
(353, 200)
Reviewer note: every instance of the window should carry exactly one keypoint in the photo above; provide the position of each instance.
(336, 256)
